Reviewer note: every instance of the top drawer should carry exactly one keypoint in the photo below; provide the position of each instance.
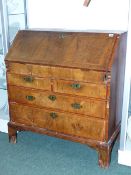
(57, 72)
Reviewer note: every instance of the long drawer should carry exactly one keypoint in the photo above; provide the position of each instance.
(57, 121)
(86, 106)
(57, 72)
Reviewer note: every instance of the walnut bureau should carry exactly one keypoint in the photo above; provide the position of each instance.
(67, 85)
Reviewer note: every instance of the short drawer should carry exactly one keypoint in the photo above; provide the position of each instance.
(80, 88)
(57, 72)
(85, 106)
(29, 81)
(60, 122)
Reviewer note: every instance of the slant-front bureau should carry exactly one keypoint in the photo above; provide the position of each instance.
(67, 85)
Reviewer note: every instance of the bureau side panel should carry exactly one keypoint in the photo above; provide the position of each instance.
(120, 77)
(117, 82)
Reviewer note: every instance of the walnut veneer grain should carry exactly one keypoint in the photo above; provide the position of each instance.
(67, 85)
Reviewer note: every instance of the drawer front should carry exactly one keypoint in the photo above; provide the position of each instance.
(21, 114)
(85, 106)
(79, 88)
(29, 81)
(60, 122)
(57, 72)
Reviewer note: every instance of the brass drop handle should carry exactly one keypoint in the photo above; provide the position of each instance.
(76, 86)
(76, 106)
(28, 79)
(30, 97)
(52, 97)
(53, 115)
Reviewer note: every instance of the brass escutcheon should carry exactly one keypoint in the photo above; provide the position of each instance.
(53, 115)
(52, 97)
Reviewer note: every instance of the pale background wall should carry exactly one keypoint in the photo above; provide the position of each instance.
(100, 15)
(71, 14)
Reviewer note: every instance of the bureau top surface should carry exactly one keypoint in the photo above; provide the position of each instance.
(68, 49)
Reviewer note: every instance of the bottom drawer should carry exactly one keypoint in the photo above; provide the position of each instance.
(66, 123)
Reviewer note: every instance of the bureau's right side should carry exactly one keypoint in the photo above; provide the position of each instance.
(116, 72)
(117, 85)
